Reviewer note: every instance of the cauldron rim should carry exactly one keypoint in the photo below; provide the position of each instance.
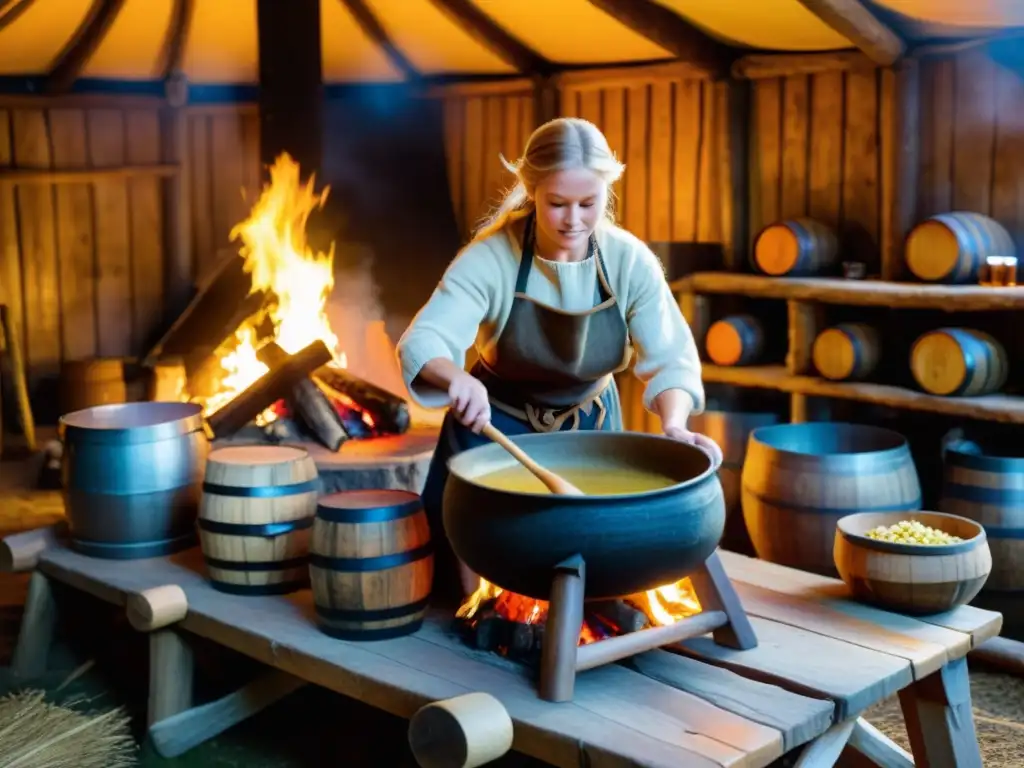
(773, 438)
(524, 442)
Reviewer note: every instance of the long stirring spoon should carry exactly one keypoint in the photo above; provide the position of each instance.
(555, 483)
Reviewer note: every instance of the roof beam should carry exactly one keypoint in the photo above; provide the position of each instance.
(173, 51)
(374, 30)
(856, 23)
(83, 44)
(10, 10)
(672, 32)
(479, 25)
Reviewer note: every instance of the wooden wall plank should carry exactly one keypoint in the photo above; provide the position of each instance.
(936, 173)
(795, 135)
(75, 240)
(659, 164)
(825, 163)
(686, 160)
(974, 122)
(10, 242)
(861, 190)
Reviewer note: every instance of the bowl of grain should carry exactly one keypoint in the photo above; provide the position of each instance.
(918, 563)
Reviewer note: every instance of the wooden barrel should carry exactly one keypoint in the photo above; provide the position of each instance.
(88, 383)
(735, 340)
(987, 487)
(846, 352)
(799, 479)
(916, 579)
(952, 247)
(131, 478)
(731, 430)
(958, 362)
(255, 518)
(371, 564)
(796, 247)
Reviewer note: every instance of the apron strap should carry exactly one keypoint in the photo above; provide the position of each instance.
(526, 262)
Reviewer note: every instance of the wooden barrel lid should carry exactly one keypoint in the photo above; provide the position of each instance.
(932, 250)
(257, 455)
(833, 354)
(777, 250)
(368, 498)
(724, 343)
(938, 363)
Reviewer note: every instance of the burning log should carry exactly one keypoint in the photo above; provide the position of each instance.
(274, 385)
(308, 402)
(389, 412)
(616, 616)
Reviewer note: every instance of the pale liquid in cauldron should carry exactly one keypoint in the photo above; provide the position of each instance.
(596, 481)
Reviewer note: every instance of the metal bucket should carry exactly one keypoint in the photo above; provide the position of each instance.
(132, 478)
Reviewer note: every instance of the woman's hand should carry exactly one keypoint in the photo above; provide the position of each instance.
(673, 406)
(469, 404)
(682, 434)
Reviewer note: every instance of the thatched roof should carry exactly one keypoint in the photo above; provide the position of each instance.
(215, 41)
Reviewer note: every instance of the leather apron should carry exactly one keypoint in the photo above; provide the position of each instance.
(550, 370)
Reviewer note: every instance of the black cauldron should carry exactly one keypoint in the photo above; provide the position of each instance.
(630, 542)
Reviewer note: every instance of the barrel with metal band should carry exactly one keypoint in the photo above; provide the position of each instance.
(847, 352)
(131, 476)
(255, 518)
(800, 479)
(371, 564)
(984, 482)
(959, 362)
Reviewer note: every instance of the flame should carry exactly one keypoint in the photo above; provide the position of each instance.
(663, 605)
(281, 263)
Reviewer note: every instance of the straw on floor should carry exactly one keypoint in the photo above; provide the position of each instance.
(35, 733)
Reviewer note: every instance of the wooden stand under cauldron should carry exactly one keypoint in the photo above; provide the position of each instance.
(636, 542)
(561, 656)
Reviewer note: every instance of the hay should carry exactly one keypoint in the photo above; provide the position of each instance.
(37, 734)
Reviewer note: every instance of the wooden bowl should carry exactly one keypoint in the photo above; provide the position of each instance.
(915, 579)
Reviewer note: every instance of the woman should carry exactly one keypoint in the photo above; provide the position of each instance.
(554, 296)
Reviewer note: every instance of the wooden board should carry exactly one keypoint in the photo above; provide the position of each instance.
(618, 717)
(976, 624)
(865, 293)
(1002, 408)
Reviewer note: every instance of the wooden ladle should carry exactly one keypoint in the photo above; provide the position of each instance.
(555, 483)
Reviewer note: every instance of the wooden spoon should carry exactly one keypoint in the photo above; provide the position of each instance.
(555, 483)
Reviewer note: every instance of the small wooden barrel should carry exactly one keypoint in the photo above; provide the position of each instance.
(735, 340)
(371, 564)
(88, 383)
(952, 247)
(800, 479)
(731, 430)
(846, 352)
(916, 579)
(796, 247)
(255, 517)
(958, 362)
(989, 489)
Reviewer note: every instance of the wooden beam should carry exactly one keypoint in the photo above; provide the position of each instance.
(522, 86)
(85, 175)
(480, 26)
(673, 33)
(856, 23)
(83, 44)
(173, 50)
(372, 28)
(592, 78)
(765, 65)
(10, 12)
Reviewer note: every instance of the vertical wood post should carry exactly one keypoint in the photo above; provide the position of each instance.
(545, 100)
(178, 266)
(900, 113)
(732, 145)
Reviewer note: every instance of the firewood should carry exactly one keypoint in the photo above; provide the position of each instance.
(622, 617)
(273, 385)
(389, 412)
(307, 401)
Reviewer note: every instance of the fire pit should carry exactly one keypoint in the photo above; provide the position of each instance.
(595, 548)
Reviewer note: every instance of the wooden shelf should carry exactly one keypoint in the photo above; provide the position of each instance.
(1000, 408)
(868, 293)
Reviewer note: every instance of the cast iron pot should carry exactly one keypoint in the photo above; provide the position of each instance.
(630, 542)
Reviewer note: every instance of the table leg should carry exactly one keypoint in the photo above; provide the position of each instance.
(37, 627)
(170, 675)
(940, 722)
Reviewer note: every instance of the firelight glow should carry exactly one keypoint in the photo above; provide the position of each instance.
(281, 262)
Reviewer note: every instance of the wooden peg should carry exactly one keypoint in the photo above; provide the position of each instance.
(157, 607)
(21, 551)
(462, 732)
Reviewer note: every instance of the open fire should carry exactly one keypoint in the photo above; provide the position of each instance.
(283, 367)
(512, 625)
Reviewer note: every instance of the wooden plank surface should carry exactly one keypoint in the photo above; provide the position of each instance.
(975, 624)
(865, 293)
(1006, 409)
(618, 717)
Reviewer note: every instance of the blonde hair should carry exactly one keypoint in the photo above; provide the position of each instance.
(560, 144)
